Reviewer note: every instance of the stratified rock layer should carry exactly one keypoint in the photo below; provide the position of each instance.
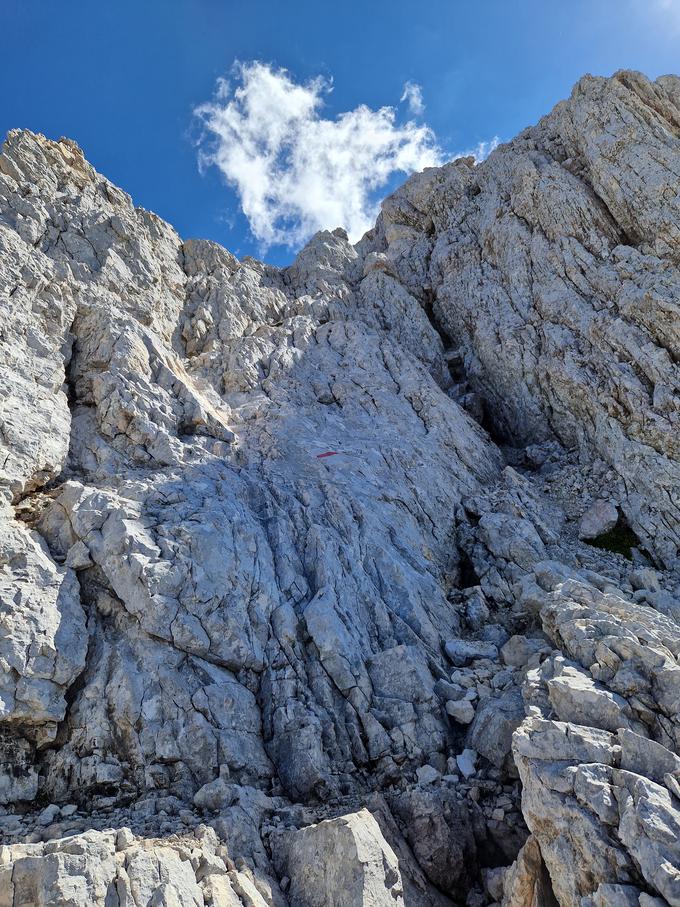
(280, 623)
(554, 267)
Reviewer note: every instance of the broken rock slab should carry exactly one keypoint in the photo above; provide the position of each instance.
(496, 720)
(461, 652)
(527, 883)
(601, 517)
(342, 862)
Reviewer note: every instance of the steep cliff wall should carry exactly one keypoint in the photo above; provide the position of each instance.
(287, 556)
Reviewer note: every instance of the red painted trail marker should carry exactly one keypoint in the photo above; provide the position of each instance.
(329, 453)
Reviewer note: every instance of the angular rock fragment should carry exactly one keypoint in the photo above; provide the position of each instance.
(343, 862)
(598, 519)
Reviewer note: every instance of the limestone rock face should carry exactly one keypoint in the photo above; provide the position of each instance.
(97, 869)
(553, 267)
(598, 756)
(298, 604)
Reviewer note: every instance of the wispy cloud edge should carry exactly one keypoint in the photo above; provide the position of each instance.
(296, 171)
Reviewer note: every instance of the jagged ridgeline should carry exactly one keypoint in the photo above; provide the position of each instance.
(354, 582)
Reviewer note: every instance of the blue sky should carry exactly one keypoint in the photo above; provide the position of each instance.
(124, 79)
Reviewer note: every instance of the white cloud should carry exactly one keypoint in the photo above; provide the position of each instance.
(296, 171)
(413, 95)
(482, 150)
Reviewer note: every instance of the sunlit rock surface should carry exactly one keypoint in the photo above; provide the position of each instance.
(354, 582)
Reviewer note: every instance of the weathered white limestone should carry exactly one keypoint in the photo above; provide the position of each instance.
(553, 266)
(343, 862)
(99, 869)
(259, 568)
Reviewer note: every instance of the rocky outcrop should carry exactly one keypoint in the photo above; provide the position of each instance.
(333, 584)
(553, 268)
(597, 756)
(115, 867)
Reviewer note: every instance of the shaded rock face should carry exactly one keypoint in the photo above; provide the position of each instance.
(297, 600)
(553, 266)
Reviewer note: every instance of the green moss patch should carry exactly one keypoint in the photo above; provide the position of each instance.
(620, 540)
